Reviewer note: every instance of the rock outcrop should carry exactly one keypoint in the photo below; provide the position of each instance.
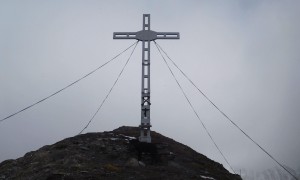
(114, 155)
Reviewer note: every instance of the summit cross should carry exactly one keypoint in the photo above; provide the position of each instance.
(146, 36)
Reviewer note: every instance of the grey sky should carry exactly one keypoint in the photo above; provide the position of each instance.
(243, 55)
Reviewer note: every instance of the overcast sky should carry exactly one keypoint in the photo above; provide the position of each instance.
(243, 54)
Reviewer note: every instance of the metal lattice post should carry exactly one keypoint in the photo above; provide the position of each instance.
(146, 36)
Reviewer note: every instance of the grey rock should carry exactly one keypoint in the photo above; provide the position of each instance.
(132, 162)
(84, 148)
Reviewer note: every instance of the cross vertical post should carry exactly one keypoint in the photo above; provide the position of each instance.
(146, 36)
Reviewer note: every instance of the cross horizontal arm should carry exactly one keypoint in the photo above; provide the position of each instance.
(146, 35)
(124, 35)
(167, 35)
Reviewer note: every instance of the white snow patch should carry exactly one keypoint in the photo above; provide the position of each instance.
(114, 139)
(127, 137)
(206, 177)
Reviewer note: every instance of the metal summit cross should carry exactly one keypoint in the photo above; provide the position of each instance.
(146, 36)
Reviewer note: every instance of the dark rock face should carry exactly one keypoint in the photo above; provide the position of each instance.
(114, 155)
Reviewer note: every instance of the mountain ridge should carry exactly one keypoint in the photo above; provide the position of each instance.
(114, 155)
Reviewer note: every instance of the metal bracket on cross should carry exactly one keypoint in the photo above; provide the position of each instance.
(146, 36)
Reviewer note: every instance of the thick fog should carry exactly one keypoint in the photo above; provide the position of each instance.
(243, 54)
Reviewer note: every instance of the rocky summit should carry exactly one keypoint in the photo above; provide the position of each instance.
(115, 154)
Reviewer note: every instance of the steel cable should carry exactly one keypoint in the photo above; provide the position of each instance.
(94, 115)
(265, 151)
(194, 110)
(53, 94)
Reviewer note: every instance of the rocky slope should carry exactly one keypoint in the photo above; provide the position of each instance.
(114, 155)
